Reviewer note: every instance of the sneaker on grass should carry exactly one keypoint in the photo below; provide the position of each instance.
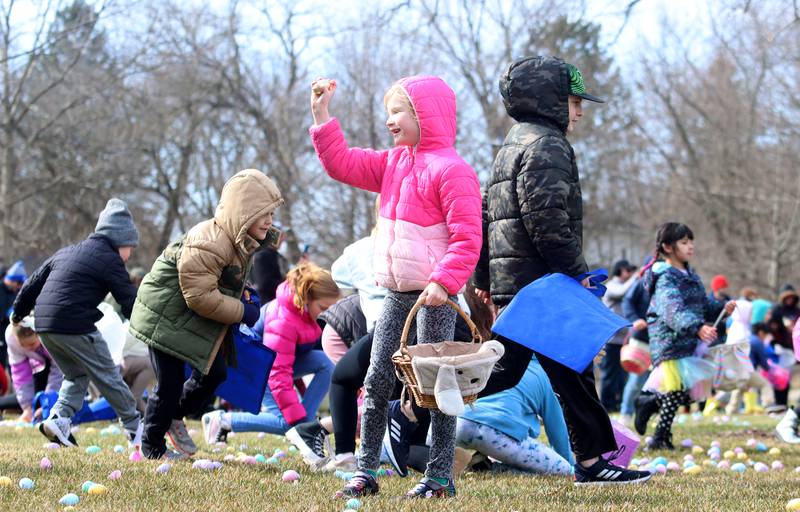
(180, 439)
(605, 473)
(362, 484)
(430, 488)
(309, 438)
(396, 439)
(58, 430)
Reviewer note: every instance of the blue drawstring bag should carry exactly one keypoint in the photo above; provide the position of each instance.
(560, 319)
(246, 384)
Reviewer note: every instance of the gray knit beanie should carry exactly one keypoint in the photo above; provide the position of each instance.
(116, 224)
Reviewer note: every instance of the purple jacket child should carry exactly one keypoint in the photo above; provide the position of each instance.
(25, 362)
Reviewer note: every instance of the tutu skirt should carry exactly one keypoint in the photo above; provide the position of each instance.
(693, 374)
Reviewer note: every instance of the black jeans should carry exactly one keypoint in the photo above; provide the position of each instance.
(612, 378)
(590, 431)
(175, 397)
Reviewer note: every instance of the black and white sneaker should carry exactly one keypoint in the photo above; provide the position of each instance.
(605, 473)
(58, 430)
(396, 439)
(646, 406)
(309, 438)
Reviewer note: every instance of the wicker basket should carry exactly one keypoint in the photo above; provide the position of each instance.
(402, 358)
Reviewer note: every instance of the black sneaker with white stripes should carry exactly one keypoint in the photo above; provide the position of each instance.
(309, 438)
(605, 473)
(396, 439)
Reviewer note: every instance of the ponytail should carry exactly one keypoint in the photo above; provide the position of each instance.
(310, 282)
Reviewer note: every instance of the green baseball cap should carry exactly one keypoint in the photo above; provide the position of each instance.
(577, 87)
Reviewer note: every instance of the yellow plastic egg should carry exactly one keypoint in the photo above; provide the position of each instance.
(693, 470)
(697, 450)
(97, 490)
(775, 451)
(729, 454)
(708, 463)
(741, 456)
(5, 481)
(230, 449)
(793, 504)
(91, 430)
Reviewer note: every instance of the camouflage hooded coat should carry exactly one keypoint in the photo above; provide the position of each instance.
(532, 207)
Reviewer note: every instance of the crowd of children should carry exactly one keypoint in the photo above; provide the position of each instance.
(437, 237)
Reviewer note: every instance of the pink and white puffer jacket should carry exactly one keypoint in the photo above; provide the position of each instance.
(429, 228)
(287, 330)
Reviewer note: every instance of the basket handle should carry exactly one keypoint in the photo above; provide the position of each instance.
(476, 336)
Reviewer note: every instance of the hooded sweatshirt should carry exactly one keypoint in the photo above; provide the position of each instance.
(429, 226)
(533, 210)
(192, 294)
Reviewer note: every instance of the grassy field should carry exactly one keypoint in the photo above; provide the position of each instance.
(238, 486)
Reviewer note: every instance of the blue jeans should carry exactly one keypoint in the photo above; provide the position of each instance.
(272, 421)
(632, 389)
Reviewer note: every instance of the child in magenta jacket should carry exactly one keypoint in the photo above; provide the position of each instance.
(427, 246)
(291, 330)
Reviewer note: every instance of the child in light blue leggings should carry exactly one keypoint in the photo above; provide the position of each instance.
(504, 426)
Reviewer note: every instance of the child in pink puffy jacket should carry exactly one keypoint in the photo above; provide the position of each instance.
(291, 330)
(427, 246)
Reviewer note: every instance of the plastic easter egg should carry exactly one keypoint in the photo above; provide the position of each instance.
(715, 444)
(741, 456)
(659, 461)
(229, 457)
(644, 461)
(280, 454)
(260, 458)
(688, 464)
(230, 449)
(739, 467)
(729, 454)
(760, 467)
(751, 443)
(389, 472)
(725, 418)
(200, 464)
(688, 457)
(215, 464)
(353, 503)
(45, 464)
(250, 460)
(27, 484)
(115, 475)
(272, 461)
(119, 449)
(724, 464)
(708, 463)
(761, 447)
(673, 466)
(697, 450)
(793, 504)
(135, 456)
(775, 451)
(6, 482)
(635, 462)
(91, 430)
(97, 490)
(163, 468)
(777, 465)
(648, 440)
(738, 449)
(242, 447)
(693, 470)
(261, 435)
(93, 450)
(682, 419)
(660, 469)
(687, 443)
(69, 500)
(290, 475)
(52, 446)
(86, 486)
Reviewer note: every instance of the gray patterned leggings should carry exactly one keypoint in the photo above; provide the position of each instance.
(434, 324)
